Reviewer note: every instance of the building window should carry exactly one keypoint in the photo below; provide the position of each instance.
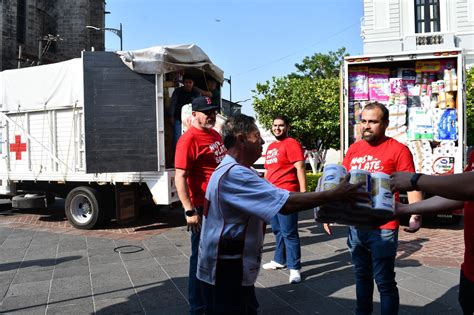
(427, 16)
(21, 21)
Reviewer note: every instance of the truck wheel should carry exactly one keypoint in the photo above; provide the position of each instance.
(29, 201)
(82, 208)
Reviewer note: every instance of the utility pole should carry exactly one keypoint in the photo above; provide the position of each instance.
(49, 39)
(229, 80)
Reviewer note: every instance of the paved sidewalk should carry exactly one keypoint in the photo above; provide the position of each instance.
(58, 272)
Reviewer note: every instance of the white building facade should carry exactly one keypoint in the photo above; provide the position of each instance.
(391, 26)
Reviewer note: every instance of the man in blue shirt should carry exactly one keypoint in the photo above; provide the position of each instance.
(238, 205)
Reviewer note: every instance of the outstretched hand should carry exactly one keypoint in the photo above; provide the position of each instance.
(400, 181)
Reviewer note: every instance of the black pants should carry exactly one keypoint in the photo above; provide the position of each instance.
(466, 295)
(228, 296)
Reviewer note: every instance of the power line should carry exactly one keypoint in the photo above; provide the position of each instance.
(296, 52)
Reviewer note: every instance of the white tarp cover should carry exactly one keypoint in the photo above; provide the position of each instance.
(165, 59)
(42, 87)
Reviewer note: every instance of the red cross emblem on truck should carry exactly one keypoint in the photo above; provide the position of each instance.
(18, 147)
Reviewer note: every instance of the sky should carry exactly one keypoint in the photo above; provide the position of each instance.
(250, 40)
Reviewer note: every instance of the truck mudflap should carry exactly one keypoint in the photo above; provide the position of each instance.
(126, 203)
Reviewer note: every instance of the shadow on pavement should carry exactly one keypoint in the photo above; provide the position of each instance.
(149, 218)
(37, 263)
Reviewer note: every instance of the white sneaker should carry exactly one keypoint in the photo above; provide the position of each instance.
(295, 276)
(273, 265)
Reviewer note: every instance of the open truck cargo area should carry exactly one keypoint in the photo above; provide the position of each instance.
(96, 130)
(424, 93)
(425, 96)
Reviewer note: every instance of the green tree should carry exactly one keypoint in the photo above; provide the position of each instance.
(309, 97)
(311, 105)
(470, 106)
(321, 65)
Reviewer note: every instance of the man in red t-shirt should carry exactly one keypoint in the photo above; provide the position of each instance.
(452, 193)
(285, 168)
(198, 152)
(373, 251)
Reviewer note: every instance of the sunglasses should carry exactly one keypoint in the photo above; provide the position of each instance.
(209, 112)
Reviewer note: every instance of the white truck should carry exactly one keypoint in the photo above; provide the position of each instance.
(95, 130)
(425, 95)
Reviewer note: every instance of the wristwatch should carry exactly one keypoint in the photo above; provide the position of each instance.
(190, 213)
(414, 181)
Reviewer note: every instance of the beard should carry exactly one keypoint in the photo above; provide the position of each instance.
(368, 136)
(281, 137)
(373, 138)
(209, 124)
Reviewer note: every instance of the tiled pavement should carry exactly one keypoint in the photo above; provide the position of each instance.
(143, 269)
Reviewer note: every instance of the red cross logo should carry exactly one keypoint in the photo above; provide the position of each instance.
(18, 147)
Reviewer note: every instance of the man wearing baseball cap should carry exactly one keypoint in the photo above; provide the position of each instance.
(198, 152)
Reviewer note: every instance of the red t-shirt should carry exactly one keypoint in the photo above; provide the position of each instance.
(387, 157)
(199, 152)
(467, 266)
(279, 163)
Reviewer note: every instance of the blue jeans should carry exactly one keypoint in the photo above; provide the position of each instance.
(373, 255)
(196, 301)
(466, 292)
(288, 249)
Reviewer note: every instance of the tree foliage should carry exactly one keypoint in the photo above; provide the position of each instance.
(309, 97)
(470, 106)
(311, 105)
(321, 65)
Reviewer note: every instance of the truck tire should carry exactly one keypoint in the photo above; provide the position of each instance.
(83, 208)
(29, 201)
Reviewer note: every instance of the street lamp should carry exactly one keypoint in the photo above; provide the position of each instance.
(235, 106)
(248, 99)
(116, 31)
(229, 80)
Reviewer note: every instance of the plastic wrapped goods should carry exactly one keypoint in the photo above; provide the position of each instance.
(333, 175)
(379, 87)
(407, 74)
(450, 80)
(450, 100)
(445, 124)
(362, 176)
(399, 133)
(427, 66)
(397, 115)
(422, 155)
(358, 83)
(443, 165)
(382, 197)
(420, 125)
(343, 213)
(396, 85)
